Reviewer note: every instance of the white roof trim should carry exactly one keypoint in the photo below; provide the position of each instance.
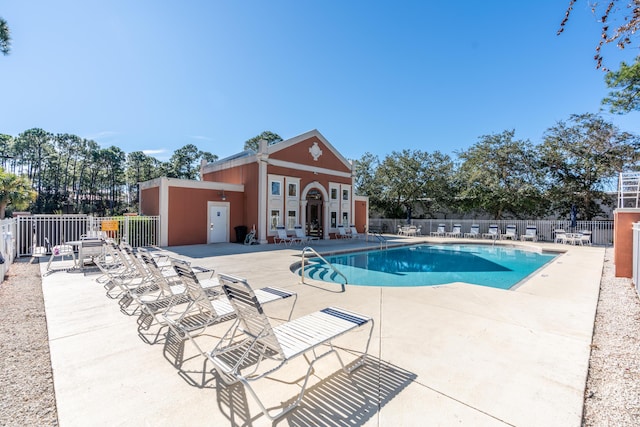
(188, 183)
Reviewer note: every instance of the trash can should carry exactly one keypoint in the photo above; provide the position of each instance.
(241, 233)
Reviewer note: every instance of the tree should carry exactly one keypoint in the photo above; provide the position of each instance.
(625, 22)
(580, 157)
(14, 190)
(412, 178)
(185, 163)
(254, 143)
(499, 175)
(5, 37)
(626, 82)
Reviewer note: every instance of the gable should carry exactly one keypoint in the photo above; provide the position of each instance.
(311, 149)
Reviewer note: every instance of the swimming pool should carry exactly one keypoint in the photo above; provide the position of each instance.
(427, 265)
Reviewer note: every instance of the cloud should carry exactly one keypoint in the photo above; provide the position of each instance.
(200, 137)
(107, 134)
(152, 152)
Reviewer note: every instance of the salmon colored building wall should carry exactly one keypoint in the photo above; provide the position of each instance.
(247, 175)
(188, 211)
(623, 220)
(150, 201)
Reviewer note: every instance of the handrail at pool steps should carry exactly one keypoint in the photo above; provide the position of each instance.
(380, 238)
(310, 249)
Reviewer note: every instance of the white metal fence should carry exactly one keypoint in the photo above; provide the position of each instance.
(7, 245)
(50, 230)
(602, 231)
(636, 256)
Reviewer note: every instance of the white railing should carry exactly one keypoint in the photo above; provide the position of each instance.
(636, 256)
(49, 230)
(7, 245)
(601, 231)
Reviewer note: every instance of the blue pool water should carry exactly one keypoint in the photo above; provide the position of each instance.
(428, 265)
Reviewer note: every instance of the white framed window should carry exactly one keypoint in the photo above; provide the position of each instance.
(334, 219)
(292, 190)
(275, 188)
(275, 219)
(345, 219)
(334, 194)
(292, 219)
(345, 194)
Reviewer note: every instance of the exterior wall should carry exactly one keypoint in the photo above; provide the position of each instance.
(247, 175)
(150, 201)
(188, 214)
(623, 240)
(361, 215)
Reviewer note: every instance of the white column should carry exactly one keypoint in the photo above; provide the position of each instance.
(263, 158)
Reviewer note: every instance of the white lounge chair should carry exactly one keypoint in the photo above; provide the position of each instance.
(583, 238)
(456, 231)
(282, 237)
(474, 231)
(253, 340)
(342, 233)
(354, 232)
(203, 311)
(510, 233)
(441, 231)
(530, 233)
(493, 233)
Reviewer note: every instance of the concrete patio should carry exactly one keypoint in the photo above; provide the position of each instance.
(454, 354)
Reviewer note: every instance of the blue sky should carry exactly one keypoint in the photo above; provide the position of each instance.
(371, 76)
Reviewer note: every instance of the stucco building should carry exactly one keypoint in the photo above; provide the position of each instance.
(300, 181)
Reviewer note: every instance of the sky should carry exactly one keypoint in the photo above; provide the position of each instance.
(371, 76)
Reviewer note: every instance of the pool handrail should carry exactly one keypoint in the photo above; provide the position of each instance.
(380, 239)
(310, 249)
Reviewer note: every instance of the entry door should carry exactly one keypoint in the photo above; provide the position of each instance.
(218, 223)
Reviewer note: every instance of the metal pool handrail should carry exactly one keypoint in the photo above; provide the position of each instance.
(310, 249)
(380, 239)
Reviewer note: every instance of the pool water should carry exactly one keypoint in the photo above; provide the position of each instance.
(428, 265)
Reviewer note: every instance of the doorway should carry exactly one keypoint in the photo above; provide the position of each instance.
(314, 214)
(218, 225)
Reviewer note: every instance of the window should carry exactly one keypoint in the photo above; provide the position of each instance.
(275, 188)
(334, 219)
(345, 194)
(275, 218)
(292, 190)
(292, 219)
(334, 194)
(345, 219)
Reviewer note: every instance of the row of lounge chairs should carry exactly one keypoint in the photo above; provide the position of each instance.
(300, 238)
(178, 302)
(493, 232)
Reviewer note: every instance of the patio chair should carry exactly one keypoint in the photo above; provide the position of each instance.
(493, 232)
(510, 233)
(90, 249)
(474, 231)
(583, 238)
(342, 233)
(253, 340)
(456, 231)
(300, 235)
(281, 236)
(530, 233)
(201, 311)
(61, 251)
(560, 236)
(354, 232)
(441, 231)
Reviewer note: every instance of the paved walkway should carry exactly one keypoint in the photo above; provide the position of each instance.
(447, 355)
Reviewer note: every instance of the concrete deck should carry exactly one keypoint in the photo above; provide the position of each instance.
(448, 355)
